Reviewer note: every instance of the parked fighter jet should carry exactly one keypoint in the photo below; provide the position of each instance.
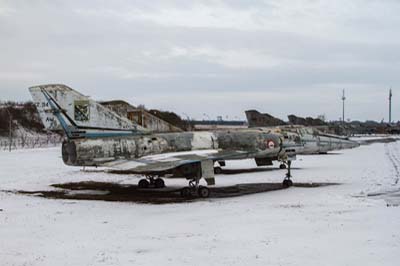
(99, 137)
(310, 140)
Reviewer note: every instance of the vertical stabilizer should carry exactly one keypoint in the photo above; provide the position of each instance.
(62, 108)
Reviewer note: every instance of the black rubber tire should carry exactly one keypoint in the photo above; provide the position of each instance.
(143, 183)
(159, 183)
(203, 192)
(186, 192)
(287, 183)
(217, 170)
(282, 166)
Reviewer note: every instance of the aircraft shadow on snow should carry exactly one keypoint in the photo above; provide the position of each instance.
(114, 192)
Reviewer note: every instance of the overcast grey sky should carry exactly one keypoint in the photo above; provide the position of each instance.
(215, 57)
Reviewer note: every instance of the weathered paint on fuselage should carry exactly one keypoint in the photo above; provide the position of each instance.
(311, 141)
(92, 152)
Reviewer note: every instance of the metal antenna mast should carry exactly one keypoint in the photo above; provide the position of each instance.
(390, 105)
(343, 99)
(9, 129)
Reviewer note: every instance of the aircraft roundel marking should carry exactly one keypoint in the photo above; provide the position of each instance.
(270, 144)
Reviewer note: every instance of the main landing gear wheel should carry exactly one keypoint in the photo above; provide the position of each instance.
(159, 183)
(217, 170)
(190, 192)
(287, 183)
(194, 190)
(186, 192)
(151, 182)
(143, 183)
(203, 192)
(282, 166)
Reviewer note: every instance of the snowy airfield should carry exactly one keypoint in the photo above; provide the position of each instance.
(354, 223)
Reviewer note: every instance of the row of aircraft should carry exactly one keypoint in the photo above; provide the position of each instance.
(98, 137)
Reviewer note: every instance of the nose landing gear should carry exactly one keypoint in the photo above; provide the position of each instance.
(287, 182)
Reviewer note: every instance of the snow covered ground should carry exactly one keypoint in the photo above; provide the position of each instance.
(355, 223)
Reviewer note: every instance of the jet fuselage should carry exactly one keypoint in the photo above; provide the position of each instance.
(241, 144)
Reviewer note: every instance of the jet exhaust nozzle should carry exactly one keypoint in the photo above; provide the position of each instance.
(69, 154)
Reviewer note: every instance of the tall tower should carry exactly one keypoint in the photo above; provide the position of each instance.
(343, 99)
(390, 105)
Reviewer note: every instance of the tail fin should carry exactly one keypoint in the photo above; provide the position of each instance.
(257, 119)
(62, 108)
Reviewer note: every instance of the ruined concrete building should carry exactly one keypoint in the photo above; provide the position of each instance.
(140, 116)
